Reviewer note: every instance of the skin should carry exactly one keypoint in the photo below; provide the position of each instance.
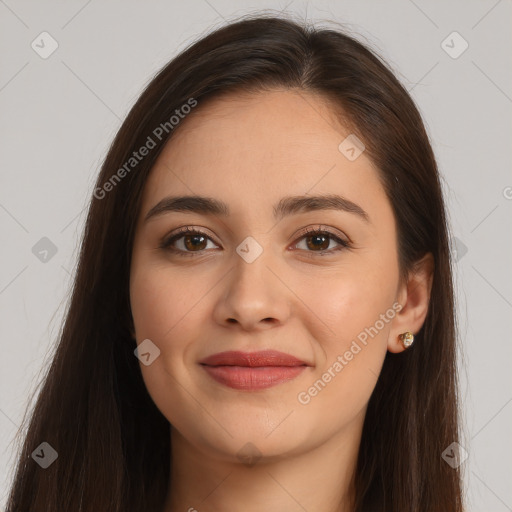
(249, 151)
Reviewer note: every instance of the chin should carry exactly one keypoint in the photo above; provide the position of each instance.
(257, 442)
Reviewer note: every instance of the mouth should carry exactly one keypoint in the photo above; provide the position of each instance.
(253, 370)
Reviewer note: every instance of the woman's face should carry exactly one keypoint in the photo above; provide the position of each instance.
(260, 277)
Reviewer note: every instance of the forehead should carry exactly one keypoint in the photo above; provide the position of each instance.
(250, 149)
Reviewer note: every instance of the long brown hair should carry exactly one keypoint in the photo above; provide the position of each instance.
(113, 444)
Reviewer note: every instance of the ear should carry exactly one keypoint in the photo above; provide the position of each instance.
(414, 297)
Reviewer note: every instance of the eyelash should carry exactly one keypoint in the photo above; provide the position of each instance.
(166, 243)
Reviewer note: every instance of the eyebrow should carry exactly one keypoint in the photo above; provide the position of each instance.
(290, 205)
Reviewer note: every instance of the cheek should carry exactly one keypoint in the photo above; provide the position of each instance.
(170, 307)
(345, 302)
(353, 311)
(161, 301)
(163, 309)
(351, 359)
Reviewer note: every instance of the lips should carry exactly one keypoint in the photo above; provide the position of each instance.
(253, 370)
(252, 359)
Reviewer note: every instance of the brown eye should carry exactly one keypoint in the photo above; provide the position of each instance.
(186, 242)
(320, 240)
(192, 242)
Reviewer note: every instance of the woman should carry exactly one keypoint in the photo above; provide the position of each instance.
(262, 316)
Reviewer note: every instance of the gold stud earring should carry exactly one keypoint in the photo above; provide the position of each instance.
(407, 339)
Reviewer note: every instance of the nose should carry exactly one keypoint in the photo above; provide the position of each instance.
(254, 296)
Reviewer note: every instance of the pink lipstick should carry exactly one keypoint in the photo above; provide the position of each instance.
(253, 370)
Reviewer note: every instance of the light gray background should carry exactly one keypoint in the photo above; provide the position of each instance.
(60, 114)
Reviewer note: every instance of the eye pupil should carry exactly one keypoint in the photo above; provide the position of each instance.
(322, 243)
(194, 245)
